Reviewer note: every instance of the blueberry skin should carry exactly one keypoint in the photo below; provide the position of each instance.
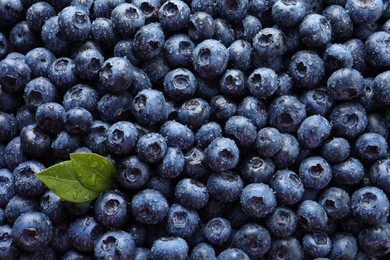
(289, 153)
(287, 186)
(336, 57)
(149, 41)
(382, 91)
(26, 183)
(11, 12)
(191, 194)
(181, 221)
(345, 84)
(149, 107)
(286, 248)
(125, 49)
(63, 73)
(371, 146)
(313, 131)
(207, 133)
(96, 138)
(104, 9)
(315, 172)
(34, 141)
(222, 108)
(51, 39)
(282, 222)
(14, 75)
(233, 254)
(44, 253)
(194, 113)
(149, 207)
(148, 8)
(156, 69)
(288, 14)
(377, 124)
(53, 206)
(180, 84)
(253, 109)
(375, 240)
(81, 95)
(240, 55)
(172, 164)
(203, 251)
(32, 231)
(74, 23)
(174, 15)
(18, 205)
(232, 12)
(103, 33)
(336, 202)
(116, 244)
(269, 43)
(348, 120)
(7, 192)
(247, 27)
(111, 209)
(255, 169)
(10, 102)
(51, 117)
(379, 174)
(225, 187)
(9, 250)
(115, 107)
(222, 154)
(200, 26)
(116, 74)
(336, 150)
(307, 69)
(370, 205)
(178, 50)
(151, 147)
(348, 172)
(4, 46)
(356, 47)
(241, 130)
(207, 89)
(13, 153)
(73, 254)
(195, 164)
(340, 20)
(232, 83)
(84, 232)
(122, 137)
(210, 58)
(363, 13)
(37, 14)
(78, 209)
(137, 232)
(127, 19)
(166, 248)
(248, 239)
(317, 102)
(78, 120)
(8, 126)
(344, 246)
(311, 216)
(262, 83)
(39, 60)
(162, 185)
(377, 50)
(316, 244)
(23, 38)
(208, 6)
(177, 135)
(257, 200)
(88, 63)
(217, 231)
(315, 31)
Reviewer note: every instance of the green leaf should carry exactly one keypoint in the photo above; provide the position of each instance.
(62, 180)
(94, 171)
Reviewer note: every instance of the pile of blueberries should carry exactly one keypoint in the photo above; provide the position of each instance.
(240, 129)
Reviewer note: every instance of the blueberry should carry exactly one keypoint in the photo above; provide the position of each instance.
(38, 91)
(32, 231)
(377, 50)
(60, 240)
(9, 249)
(336, 202)
(286, 114)
(336, 150)
(288, 13)
(44, 253)
(241, 130)
(371, 146)
(26, 183)
(337, 56)
(172, 164)
(7, 191)
(377, 124)
(315, 172)
(191, 193)
(253, 109)
(311, 215)
(307, 69)
(289, 153)
(53, 206)
(316, 244)
(262, 83)
(232, 10)
(210, 58)
(240, 55)
(125, 49)
(11, 11)
(248, 239)
(156, 69)
(34, 141)
(180, 84)
(207, 133)
(122, 137)
(63, 73)
(74, 23)
(84, 232)
(247, 28)
(96, 138)
(78, 120)
(151, 147)
(225, 187)
(317, 102)
(282, 222)
(182, 221)
(148, 8)
(23, 38)
(10, 102)
(38, 13)
(287, 186)
(51, 39)
(315, 30)
(195, 163)
(14, 74)
(51, 117)
(379, 174)
(269, 43)
(194, 113)
(116, 74)
(375, 240)
(81, 95)
(348, 172)
(313, 131)
(88, 63)
(222, 154)
(78, 209)
(208, 6)
(166, 248)
(217, 231)
(257, 200)
(203, 251)
(149, 206)
(13, 153)
(345, 84)
(174, 15)
(115, 107)
(344, 246)
(286, 248)
(255, 169)
(115, 244)
(233, 254)
(8, 126)
(141, 253)
(370, 205)
(137, 232)
(222, 108)
(149, 41)
(111, 209)
(200, 26)
(349, 120)
(73, 254)
(340, 20)
(363, 13)
(232, 83)
(149, 107)
(177, 135)
(178, 50)
(39, 60)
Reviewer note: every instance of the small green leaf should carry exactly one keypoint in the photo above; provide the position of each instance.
(62, 180)
(94, 171)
